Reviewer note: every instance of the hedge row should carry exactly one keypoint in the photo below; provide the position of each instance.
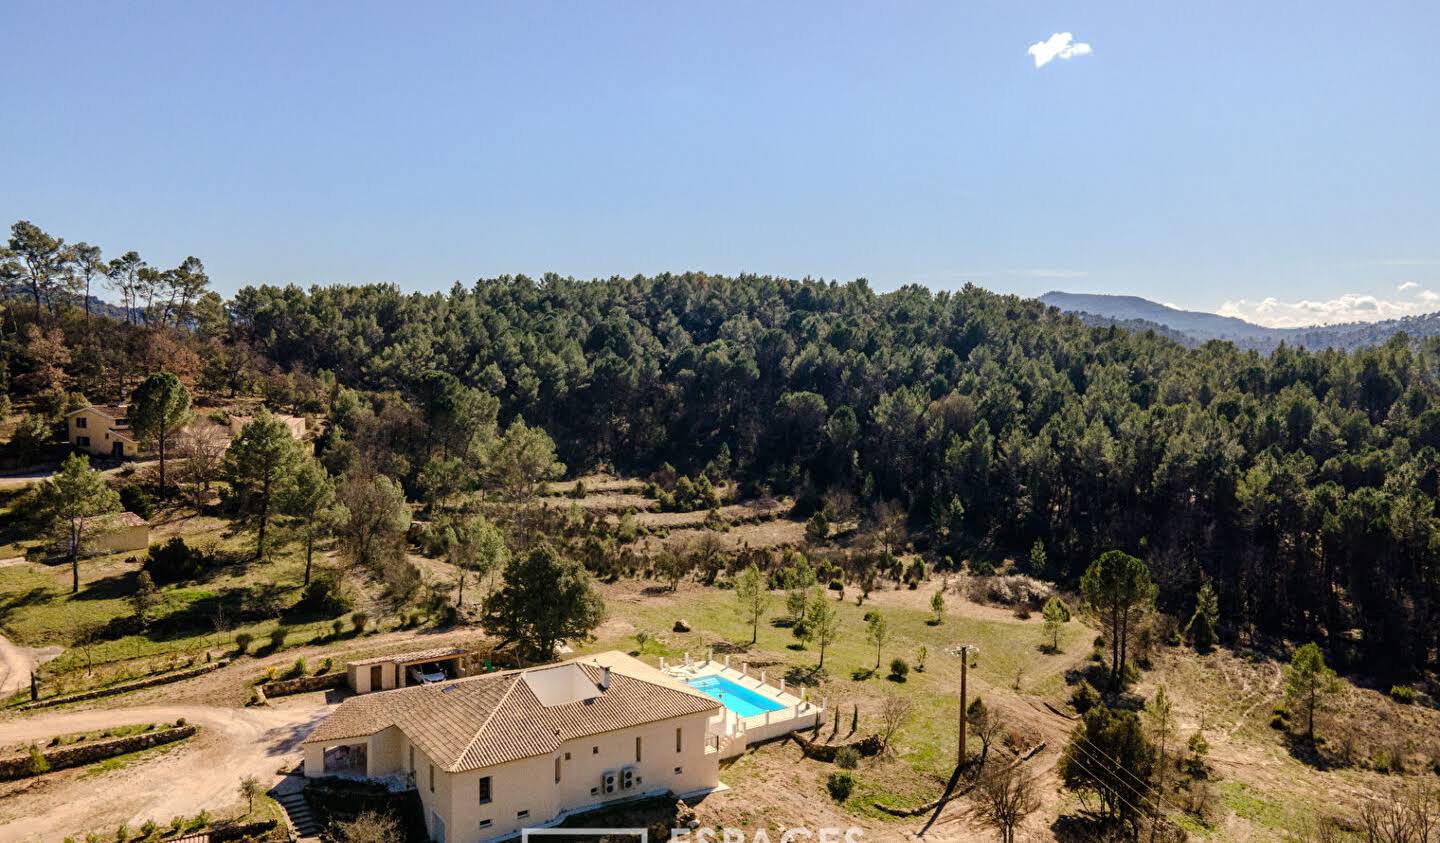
(58, 758)
(148, 682)
(826, 752)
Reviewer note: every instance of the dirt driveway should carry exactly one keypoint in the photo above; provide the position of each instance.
(202, 773)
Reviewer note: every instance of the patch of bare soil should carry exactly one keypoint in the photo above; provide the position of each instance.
(608, 502)
(780, 532)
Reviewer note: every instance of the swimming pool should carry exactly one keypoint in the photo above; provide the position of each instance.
(743, 701)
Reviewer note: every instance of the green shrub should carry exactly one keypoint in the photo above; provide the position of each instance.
(297, 670)
(173, 562)
(180, 723)
(278, 636)
(37, 763)
(326, 595)
(135, 500)
(1084, 697)
(149, 829)
(337, 626)
(359, 621)
(242, 642)
(122, 833)
(847, 758)
(1381, 762)
(1403, 694)
(326, 666)
(1279, 723)
(899, 669)
(840, 785)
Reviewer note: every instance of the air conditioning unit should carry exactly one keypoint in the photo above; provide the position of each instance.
(607, 781)
(627, 778)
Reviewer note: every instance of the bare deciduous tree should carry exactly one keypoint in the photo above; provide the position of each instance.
(369, 827)
(200, 450)
(895, 712)
(1406, 815)
(1004, 798)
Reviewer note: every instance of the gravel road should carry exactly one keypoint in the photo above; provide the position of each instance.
(201, 774)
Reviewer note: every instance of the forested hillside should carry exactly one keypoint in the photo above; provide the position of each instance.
(1303, 485)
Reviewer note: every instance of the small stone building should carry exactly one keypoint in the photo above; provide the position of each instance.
(116, 532)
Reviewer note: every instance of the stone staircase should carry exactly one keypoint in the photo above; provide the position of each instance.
(290, 793)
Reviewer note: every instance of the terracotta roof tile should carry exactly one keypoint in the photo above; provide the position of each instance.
(486, 720)
(416, 656)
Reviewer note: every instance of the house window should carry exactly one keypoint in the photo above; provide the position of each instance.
(80, 422)
(594, 750)
(637, 749)
(82, 441)
(412, 760)
(484, 823)
(557, 769)
(679, 770)
(679, 743)
(484, 789)
(520, 815)
(432, 778)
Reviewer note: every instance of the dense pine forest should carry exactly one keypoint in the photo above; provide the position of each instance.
(1301, 485)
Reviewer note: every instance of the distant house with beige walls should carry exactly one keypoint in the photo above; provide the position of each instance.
(493, 754)
(102, 429)
(295, 424)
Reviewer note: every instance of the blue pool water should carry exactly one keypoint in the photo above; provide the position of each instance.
(743, 701)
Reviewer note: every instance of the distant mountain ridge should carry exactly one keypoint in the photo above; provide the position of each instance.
(1135, 313)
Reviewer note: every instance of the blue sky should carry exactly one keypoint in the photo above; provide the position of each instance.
(1201, 154)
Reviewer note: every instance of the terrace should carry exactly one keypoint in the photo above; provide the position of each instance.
(756, 710)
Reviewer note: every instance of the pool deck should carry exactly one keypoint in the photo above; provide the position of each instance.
(729, 733)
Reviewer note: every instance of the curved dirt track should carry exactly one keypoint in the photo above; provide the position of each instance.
(15, 667)
(202, 773)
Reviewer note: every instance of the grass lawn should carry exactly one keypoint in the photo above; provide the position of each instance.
(928, 744)
(37, 608)
(120, 762)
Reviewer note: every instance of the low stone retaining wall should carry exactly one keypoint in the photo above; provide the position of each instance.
(59, 758)
(300, 685)
(135, 685)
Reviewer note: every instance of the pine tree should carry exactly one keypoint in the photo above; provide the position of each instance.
(159, 406)
(259, 464)
(1201, 630)
(69, 502)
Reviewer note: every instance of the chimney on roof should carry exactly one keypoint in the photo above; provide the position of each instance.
(604, 679)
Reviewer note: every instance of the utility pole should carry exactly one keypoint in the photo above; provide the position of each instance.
(963, 651)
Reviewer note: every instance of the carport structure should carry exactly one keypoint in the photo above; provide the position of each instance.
(424, 667)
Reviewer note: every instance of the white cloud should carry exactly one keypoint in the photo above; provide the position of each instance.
(1061, 45)
(1350, 307)
(1408, 285)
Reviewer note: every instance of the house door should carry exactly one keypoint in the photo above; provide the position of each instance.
(375, 678)
(117, 449)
